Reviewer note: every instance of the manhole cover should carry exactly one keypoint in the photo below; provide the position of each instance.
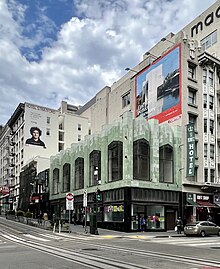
(89, 249)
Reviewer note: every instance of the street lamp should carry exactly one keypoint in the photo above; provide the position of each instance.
(164, 39)
(129, 69)
(150, 54)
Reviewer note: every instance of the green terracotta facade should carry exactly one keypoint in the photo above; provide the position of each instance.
(127, 131)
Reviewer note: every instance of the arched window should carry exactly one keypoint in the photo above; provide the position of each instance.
(94, 167)
(115, 161)
(141, 160)
(66, 177)
(166, 164)
(56, 181)
(79, 173)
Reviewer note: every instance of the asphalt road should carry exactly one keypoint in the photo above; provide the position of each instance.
(27, 247)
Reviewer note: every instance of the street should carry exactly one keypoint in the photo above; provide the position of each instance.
(27, 247)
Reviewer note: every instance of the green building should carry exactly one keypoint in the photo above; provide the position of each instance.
(135, 164)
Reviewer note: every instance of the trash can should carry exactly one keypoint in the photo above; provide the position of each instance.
(93, 224)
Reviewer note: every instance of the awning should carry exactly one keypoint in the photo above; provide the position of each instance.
(191, 203)
(4, 196)
(205, 204)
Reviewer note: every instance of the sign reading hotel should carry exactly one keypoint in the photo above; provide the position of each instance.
(158, 88)
(190, 171)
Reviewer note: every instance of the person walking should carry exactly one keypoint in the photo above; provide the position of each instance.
(143, 223)
(179, 224)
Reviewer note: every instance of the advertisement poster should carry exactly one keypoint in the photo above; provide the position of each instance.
(158, 88)
(36, 128)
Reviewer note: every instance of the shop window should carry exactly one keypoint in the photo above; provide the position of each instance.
(114, 213)
(94, 167)
(115, 161)
(155, 217)
(141, 160)
(166, 164)
(66, 177)
(126, 100)
(56, 181)
(79, 173)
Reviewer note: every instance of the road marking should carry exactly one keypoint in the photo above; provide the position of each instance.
(35, 237)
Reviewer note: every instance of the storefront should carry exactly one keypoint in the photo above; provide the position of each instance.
(121, 209)
(199, 207)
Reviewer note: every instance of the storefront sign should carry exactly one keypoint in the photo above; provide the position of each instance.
(209, 19)
(190, 171)
(202, 197)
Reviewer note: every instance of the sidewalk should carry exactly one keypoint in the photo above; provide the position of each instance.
(78, 229)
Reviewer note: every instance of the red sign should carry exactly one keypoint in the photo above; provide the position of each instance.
(4, 190)
(69, 196)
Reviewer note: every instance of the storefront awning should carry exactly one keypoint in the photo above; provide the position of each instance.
(205, 204)
(4, 196)
(191, 203)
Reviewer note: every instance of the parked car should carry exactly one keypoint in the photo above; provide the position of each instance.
(201, 228)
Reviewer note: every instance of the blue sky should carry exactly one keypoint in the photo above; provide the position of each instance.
(53, 50)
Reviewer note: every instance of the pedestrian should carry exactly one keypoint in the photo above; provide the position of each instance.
(83, 221)
(143, 223)
(179, 224)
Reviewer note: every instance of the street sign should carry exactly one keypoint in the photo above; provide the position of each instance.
(85, 199)
(69, 201)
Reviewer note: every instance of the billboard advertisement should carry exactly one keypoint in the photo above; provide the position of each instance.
(35, 128)
(158, 88)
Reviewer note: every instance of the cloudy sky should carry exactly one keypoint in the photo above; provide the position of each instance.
(53, 50)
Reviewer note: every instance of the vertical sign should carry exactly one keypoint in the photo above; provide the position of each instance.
(85, 199)
(190, 171)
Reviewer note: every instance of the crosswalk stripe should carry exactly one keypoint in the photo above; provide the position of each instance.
(35, 237)
(194, 242)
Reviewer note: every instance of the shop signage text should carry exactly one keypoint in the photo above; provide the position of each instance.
(209, 19)
(190, 172)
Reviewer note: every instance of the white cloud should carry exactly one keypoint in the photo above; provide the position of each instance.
(90, 52)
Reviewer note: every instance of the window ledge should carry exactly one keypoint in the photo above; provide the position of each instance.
(193, 105)
(193, 79)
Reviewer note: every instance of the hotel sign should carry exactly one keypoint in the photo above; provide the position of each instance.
(190, 171)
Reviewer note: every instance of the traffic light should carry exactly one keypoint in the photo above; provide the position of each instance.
(94, 197)
(98, 195)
